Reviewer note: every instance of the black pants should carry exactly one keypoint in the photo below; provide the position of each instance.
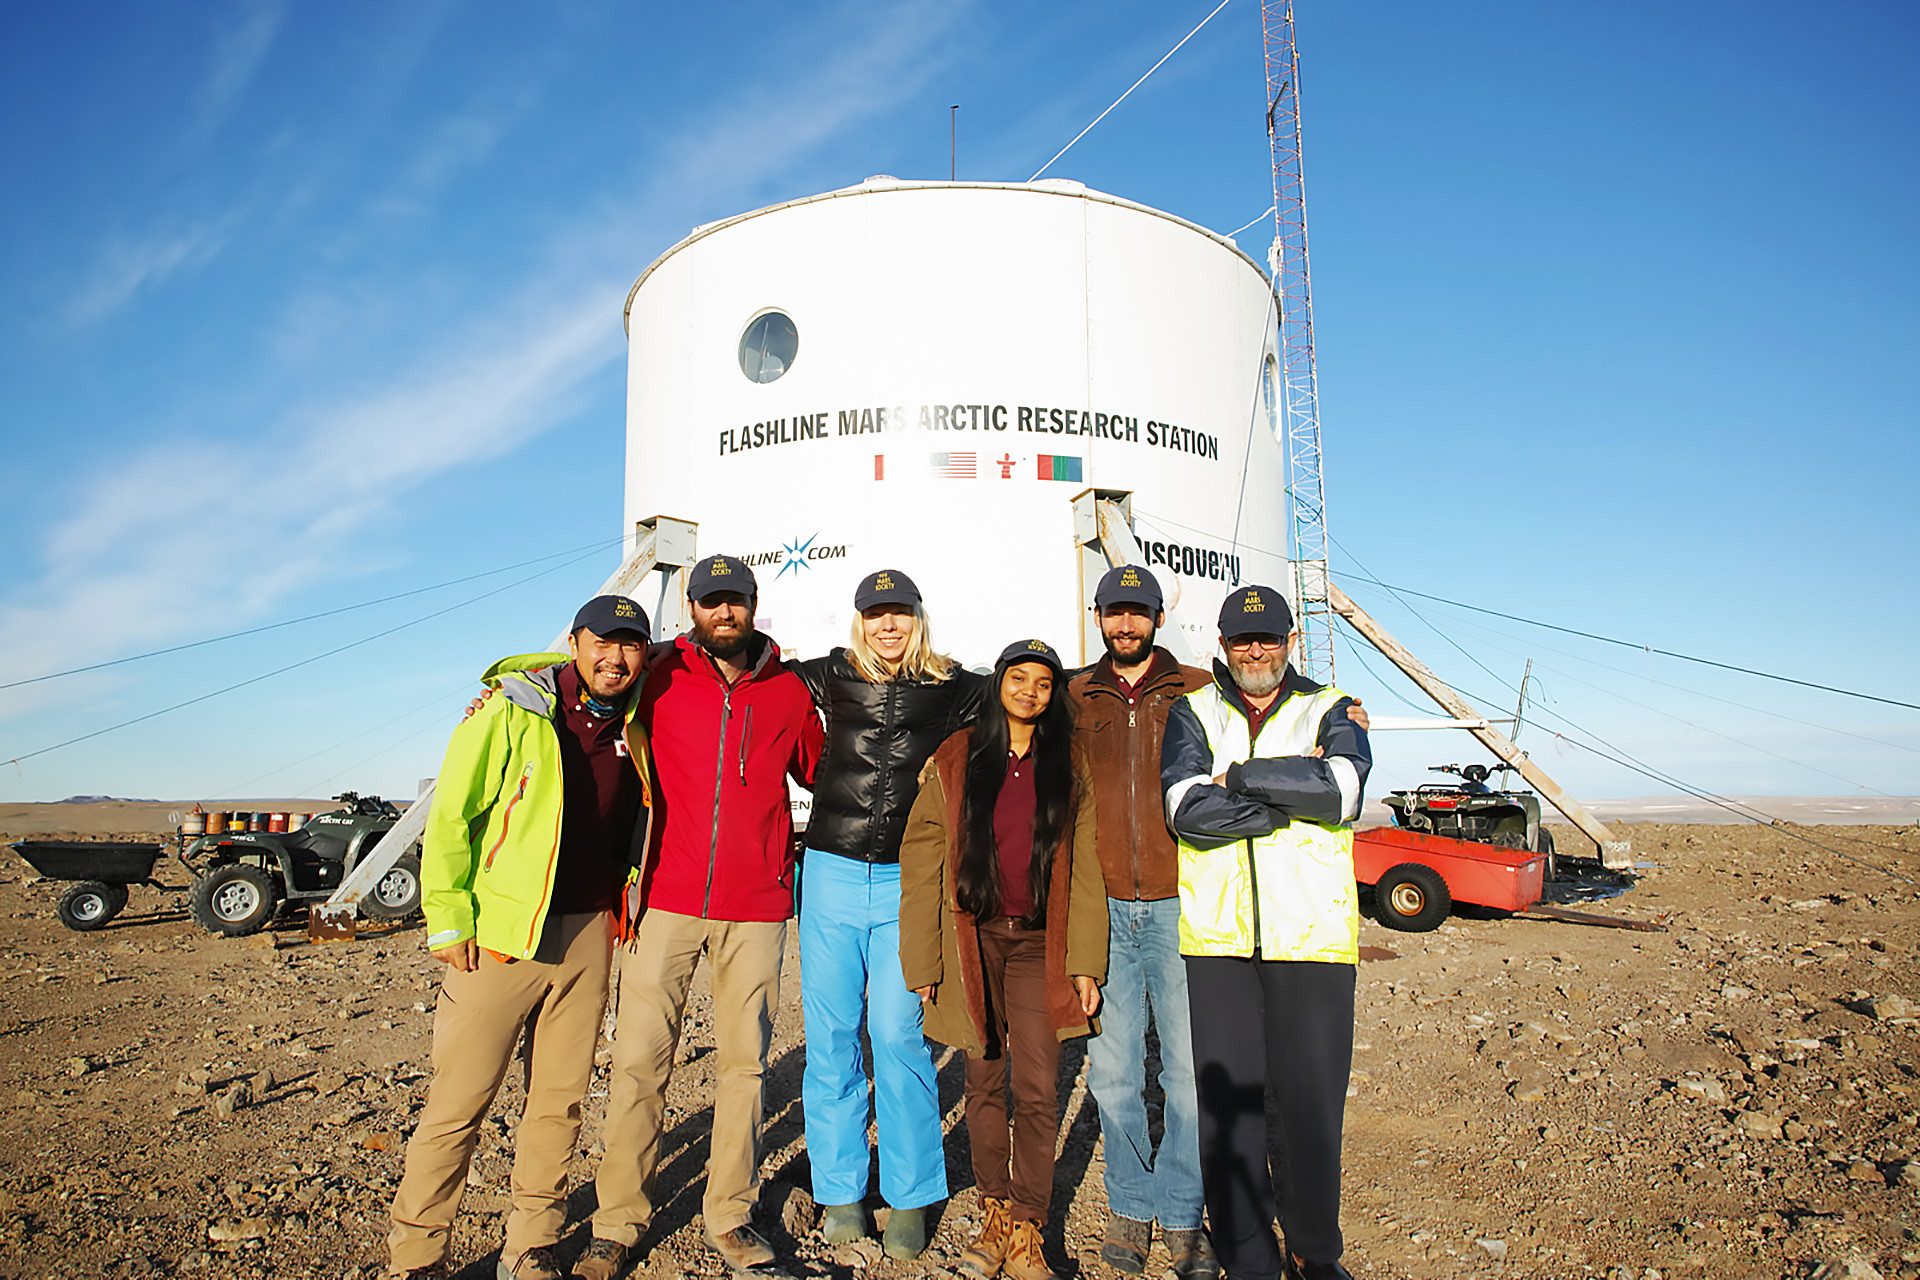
(1282, 1028)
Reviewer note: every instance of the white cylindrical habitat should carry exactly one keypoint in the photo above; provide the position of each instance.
(922, 376)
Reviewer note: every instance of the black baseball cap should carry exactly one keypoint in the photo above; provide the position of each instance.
(604, 615)
(1031, 651)
(721, 573)
(1255, 611)
(1129, 584)
(886, 586)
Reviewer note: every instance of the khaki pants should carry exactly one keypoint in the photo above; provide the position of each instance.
(559, 996)
(654, 976)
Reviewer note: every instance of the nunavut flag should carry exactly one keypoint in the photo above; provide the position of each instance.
(1055, 467)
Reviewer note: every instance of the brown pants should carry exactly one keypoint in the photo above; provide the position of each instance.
(559, 996)
(1020, 1034)
(654, 976)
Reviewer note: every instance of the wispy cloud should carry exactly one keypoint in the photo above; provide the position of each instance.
(129, 264)
(486, 389)
(239, 49)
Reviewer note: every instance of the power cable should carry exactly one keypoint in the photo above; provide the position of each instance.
(233, 791)
(363, 760)
(1759, 817)
(294, 666)
(1647, 648)
(1130, 88)
(1682, 720)
(311, 617)
(1763, 819)
(1730, 702)
(1355, 650)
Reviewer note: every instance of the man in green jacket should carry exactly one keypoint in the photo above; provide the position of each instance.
(535, 824)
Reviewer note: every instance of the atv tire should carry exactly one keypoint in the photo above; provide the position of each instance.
(1412, 898)
(1544, 845)
(236, 900)
(395, 895)
(90, 904)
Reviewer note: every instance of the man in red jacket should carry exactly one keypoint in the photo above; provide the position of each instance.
(728, 725)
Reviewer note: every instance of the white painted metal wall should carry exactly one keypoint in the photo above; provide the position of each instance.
(953, 341)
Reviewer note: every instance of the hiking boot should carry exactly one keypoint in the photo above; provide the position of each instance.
(601, 1261)
(1192, 1254)
(906, 1233)
(534, 1264)
(1024, 1259)
(842, 1223)
(1301, 1269)
(983, 1257)
(742, 1248)
(432, 1271)
(1125, 1248)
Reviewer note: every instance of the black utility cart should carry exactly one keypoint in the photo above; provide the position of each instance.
(103, 868)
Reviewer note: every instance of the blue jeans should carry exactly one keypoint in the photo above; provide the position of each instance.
(850, 967)
(1145, 971)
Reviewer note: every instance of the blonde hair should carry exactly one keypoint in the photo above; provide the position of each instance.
(919, 662)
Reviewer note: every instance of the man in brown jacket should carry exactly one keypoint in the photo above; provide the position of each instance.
(1120, 709)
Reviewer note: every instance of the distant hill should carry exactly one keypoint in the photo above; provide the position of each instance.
(102, 800)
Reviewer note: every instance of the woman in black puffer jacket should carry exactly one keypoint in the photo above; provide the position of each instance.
(888, 700)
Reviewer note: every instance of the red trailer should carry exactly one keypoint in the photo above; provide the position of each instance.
(1418, 877)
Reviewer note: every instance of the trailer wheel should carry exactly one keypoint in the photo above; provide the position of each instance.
(90, 904)
(1412, 898)
(236, 900)
(395, 895)
(1545, 845)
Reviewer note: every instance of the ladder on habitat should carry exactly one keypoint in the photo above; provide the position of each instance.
(663, 545)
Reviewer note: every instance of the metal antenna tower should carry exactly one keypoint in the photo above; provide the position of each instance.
(1299, 384)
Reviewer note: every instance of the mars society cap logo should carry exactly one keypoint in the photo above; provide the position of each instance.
(883, 581)
(1129, 577)
(1253, 603)
(625, 609)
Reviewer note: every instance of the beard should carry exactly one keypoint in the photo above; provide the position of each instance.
(1256, 682)
(1129, 649)
(730, 647)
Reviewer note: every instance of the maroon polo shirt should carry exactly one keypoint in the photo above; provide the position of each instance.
(1013, 835)
(602, 790)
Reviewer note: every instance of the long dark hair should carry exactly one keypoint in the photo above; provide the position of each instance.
(977, 885)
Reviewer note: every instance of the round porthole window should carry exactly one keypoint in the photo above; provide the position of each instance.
(768, 346)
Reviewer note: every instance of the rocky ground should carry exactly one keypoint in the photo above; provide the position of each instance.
(1733, 1097)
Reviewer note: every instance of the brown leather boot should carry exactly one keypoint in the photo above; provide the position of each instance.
(982, 1258)
(1024, 1259)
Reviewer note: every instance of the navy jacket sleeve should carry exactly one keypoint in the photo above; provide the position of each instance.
(1199, 809)
(1308, 786)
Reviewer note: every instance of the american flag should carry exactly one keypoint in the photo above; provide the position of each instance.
(954, 466)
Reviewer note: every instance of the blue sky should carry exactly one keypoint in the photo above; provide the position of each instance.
(306, 306)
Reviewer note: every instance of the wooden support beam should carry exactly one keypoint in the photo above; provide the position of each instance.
(1614, 852)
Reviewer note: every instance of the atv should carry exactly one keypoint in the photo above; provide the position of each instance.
(1471, 810)
(249, 877)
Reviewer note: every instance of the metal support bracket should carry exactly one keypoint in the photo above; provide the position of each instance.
(1103, 539)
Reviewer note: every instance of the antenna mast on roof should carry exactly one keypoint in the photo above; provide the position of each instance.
(1299, 391)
